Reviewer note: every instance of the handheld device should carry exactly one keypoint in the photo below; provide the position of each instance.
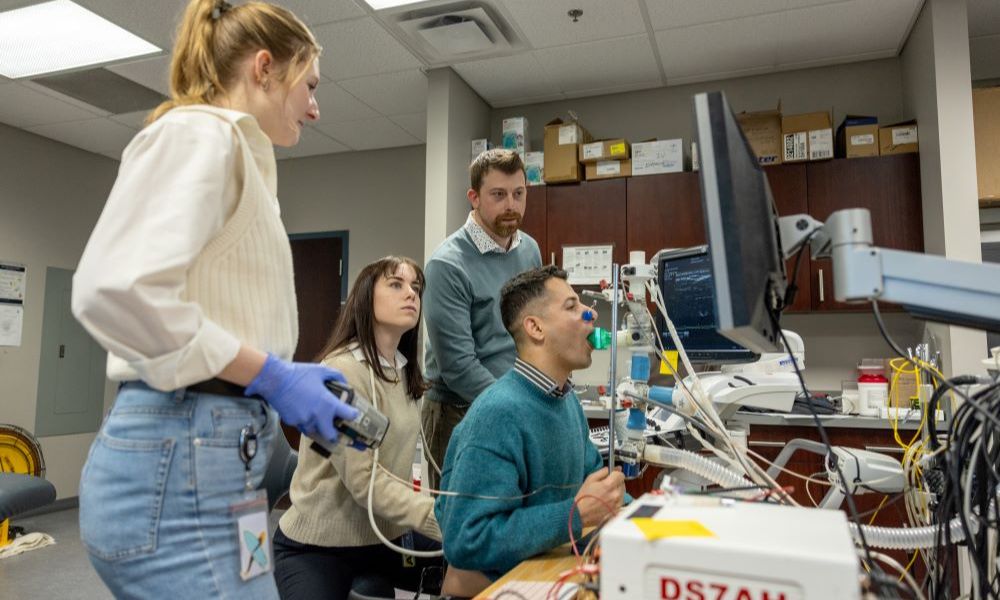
(368, 429)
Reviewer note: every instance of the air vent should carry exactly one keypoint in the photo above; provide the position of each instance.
(455, 32)
(103, 89)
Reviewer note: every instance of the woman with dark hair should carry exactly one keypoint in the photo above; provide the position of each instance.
(341, 511)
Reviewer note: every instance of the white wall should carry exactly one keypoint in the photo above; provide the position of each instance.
(455, 116)
(376, 195)
(937, 87)
(866, 88)
(51, 197)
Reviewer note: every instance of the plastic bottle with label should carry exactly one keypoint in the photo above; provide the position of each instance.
(873, 390)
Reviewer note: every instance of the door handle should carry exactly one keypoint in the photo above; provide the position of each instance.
(62, 350)
(553, 258)
(822, 296)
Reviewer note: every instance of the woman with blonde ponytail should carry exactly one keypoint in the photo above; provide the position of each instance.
(187, 283)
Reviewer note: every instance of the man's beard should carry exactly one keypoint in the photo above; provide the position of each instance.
(504, 225)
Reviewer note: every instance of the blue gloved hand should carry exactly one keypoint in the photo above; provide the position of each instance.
(299, 394)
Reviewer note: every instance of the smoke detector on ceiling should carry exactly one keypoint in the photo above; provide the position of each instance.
(456, 32)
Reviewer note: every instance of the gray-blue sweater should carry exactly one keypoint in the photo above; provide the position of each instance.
(467, 345)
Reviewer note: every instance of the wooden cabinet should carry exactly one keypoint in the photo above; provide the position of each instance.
(653, 212)
(888, 186)
(592, 212)
(535, 219)
(664, 211)
(789, 189)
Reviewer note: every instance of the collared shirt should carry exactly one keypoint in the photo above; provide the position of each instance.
(177, 186)
(541, 380)
(359, 356)
(484, 243)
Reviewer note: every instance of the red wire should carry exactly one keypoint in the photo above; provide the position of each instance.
(569, 521)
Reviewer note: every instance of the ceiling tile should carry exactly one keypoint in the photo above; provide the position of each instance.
(103, 136)
(615, 62)
(415, 125)
(530, 100)
(155, 22)
(502, 79)
(335, 104)
(725, 46)
(368, 134)
(153, 73)
(843, 30)
(546, 23)
(399, 93)
(317, 12)
(311, 143)
(22, 106)
(136, 120)
(360, 47)
(984, 18)
(671, 14)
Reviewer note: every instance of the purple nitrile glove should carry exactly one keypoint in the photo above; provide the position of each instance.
(299, 394)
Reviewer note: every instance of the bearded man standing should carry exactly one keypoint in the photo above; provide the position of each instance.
(468, 347)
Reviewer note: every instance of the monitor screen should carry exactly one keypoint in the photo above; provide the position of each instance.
(741, 226)
(685, 280)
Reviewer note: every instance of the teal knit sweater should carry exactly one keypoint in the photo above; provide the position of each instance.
(467, 346)
(514, 440)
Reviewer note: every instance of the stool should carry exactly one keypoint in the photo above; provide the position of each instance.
(20, 493)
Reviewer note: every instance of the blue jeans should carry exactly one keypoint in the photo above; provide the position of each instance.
(157, 490)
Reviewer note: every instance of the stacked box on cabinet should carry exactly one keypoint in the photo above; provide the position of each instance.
(562, 163)
(857, 136)
(900, 138)
(808, 136)
(763, 130)
(657, 156)
(534, 168)
(514, 135)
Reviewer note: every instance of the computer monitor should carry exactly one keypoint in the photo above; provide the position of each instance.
(688, 290)
(741, 226)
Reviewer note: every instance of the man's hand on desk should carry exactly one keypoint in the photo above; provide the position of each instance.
(607, 488)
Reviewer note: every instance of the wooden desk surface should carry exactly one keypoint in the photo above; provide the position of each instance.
(544, 567)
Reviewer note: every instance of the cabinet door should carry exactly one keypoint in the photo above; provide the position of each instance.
(535, 218)
(888, 186)
(788, 187)
(592, 212)
(664, 211)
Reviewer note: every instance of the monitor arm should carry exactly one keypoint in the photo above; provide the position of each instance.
(927, 286)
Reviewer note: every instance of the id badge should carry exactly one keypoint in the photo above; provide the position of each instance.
(253, 537)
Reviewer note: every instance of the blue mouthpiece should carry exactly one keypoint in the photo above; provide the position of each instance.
(588, 315)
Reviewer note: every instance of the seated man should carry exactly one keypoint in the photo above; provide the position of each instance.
(525, 440)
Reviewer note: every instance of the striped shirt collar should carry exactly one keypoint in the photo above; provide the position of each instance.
(484, 243)
(541, 380)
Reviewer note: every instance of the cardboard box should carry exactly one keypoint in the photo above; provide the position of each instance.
(479, 146)
(857, 136)
(900, 138)
(608, 169)
(763, 131)
(617, 149)
(515, 134)
(534, 167)
(986, 117)
(562, 163)
(808, 136)
(657, 156)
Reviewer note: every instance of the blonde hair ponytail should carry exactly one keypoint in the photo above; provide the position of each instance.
(214, 36)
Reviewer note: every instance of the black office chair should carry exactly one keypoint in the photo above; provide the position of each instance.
(278, 476)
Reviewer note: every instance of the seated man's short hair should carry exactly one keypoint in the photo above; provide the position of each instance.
(520, 291)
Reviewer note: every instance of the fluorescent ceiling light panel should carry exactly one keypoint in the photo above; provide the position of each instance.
(380, 4)
(61, 35)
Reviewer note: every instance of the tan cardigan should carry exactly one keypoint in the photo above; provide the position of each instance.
(330, 496)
